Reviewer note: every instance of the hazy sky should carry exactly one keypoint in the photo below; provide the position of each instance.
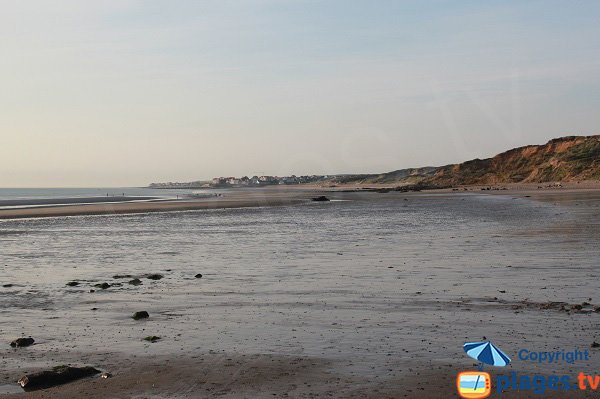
(97, 93)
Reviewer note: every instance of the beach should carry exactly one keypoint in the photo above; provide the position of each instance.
(368, 295)
(243, 198)
(116, 208)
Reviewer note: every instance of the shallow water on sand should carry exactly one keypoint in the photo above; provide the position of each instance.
(378, 283)
(42, 193)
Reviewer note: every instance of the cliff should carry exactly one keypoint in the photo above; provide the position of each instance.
(571, 158)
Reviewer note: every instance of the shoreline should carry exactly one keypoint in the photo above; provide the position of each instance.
(275, 196)
(131, 208)
(32, 202)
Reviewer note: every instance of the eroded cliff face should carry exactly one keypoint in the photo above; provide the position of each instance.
(571, 158)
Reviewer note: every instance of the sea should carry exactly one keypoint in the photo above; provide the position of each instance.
(32, 197)
(54, 193)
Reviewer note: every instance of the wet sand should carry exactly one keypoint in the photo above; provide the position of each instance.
(227, 376)
(236, 376)
(236, 200)
(366, 298)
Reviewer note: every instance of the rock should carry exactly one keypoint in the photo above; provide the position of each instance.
(155, 276)
(22, 342)
(595, 345)
(199, 275)
(105, 375)
(135, 281)
(140, 315)
(321, 198)
(8, 285)
(152, 338)
(73, 283)
(552, 305)
(577, 307)
(57, 376)
(103, 285)
(116, 276)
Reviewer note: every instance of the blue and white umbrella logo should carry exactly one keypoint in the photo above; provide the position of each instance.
(486, 352)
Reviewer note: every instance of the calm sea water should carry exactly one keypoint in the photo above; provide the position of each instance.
(376, 282)
(38, 193)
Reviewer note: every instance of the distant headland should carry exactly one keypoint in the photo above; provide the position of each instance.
(570, 158)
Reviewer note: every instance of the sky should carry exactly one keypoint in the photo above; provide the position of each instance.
(128, 92)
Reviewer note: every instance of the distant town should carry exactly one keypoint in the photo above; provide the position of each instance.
(266, 180)
(254, 181)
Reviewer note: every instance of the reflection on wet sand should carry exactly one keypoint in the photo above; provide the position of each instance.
(344, 296)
